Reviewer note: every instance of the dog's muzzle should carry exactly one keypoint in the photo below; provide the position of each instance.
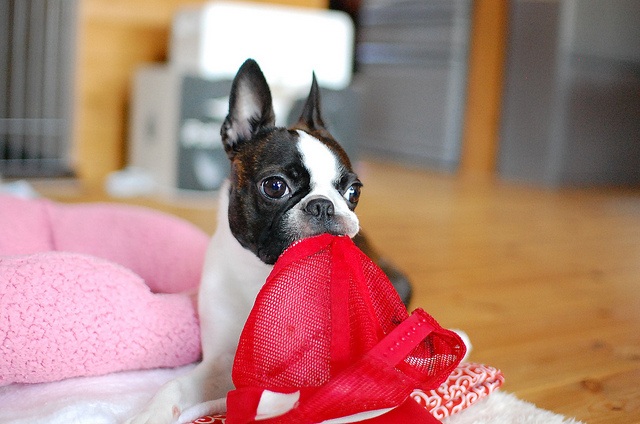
(320, 208)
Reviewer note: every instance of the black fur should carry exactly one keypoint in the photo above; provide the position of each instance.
(258, 150)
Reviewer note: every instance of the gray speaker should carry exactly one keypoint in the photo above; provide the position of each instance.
(175, 129)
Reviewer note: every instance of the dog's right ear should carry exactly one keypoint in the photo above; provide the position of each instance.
(250, 107)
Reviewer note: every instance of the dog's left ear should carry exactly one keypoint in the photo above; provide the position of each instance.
(250, 107)
(311, 119)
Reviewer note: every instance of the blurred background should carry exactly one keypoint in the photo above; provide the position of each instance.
(498, 141)
(546, 92)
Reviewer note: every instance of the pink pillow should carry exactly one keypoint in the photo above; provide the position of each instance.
(92, 289)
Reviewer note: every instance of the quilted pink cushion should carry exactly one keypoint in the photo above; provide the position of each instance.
(95, 288)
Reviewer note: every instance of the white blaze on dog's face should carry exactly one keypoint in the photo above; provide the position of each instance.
(328, 207)
(285, 184)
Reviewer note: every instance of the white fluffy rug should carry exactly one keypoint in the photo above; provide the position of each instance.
(505, 408)
(112, 398)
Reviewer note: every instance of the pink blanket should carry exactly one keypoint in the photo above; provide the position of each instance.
(93, 289)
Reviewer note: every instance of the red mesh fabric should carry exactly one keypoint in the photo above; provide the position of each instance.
(329, 323)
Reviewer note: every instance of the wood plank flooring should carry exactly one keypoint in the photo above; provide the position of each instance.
(545, 282)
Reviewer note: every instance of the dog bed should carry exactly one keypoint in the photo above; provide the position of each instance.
(93, 289)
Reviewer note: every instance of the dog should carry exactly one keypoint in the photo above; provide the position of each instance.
(285, 184)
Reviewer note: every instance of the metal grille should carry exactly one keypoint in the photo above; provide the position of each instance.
(412, 33)
(37, 44)
(414, 52)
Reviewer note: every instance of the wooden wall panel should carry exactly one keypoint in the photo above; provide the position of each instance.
(114, 38)
(484, 87)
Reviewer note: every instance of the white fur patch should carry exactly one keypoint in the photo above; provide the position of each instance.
(319, 160)
(273, 404)
(325, 171)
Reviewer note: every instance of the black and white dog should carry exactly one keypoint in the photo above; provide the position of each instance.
(285, 185)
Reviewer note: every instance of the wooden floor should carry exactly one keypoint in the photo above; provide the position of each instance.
(546, 283)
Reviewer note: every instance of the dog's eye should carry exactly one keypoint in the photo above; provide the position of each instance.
(353, 193)
(274, 187)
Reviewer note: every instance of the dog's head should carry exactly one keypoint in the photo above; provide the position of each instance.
(286, 183)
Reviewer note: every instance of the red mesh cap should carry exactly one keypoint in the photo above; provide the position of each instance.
(329, 327)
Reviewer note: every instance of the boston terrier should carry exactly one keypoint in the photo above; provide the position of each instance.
(285, 184)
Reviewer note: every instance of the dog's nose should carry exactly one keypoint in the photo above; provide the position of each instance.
(320, 207)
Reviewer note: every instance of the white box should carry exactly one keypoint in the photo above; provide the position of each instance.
(288, 43)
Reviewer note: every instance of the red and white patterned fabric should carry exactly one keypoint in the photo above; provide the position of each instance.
(466, 385)
(210, 419)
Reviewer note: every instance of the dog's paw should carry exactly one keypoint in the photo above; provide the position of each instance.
(165, 407)
(467, 342)
(156, 416)
(212, 407)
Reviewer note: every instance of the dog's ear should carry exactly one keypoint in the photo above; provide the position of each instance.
(250, 107)
(311, 119)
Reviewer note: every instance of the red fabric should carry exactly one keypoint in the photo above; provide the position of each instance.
(249, 398)
(210, 419)
(328, 322)
(466, 385)
(408, 409)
